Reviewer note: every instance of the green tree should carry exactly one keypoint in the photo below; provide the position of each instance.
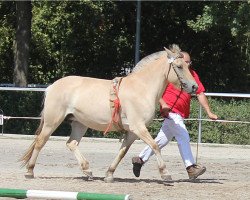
(82, 38)
(226, 28)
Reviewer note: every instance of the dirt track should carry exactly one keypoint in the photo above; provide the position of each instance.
(227, 176)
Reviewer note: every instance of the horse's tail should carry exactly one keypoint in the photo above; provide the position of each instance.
(26, 157)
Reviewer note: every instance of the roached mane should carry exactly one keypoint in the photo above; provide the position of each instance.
(148, 59)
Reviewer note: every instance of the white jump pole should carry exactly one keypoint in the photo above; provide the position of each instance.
(43, 194)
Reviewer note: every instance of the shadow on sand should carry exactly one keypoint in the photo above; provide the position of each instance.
(134, 180)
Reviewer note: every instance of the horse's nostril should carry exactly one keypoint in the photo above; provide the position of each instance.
(194, 87)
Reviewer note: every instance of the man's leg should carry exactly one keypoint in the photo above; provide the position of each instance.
(182, 136)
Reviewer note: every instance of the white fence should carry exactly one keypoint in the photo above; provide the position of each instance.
(199, 119)
(228, 121)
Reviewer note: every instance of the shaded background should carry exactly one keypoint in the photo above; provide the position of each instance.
(97, 39)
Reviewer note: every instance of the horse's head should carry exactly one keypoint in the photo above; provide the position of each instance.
(179, 73)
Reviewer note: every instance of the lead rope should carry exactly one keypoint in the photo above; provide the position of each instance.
(177, 98)
(197, 150)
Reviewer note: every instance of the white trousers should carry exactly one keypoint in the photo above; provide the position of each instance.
(173, 126)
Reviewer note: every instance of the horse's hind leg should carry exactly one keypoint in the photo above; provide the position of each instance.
(52, 116)
(77, 132)
(36, 147)
(128, 140)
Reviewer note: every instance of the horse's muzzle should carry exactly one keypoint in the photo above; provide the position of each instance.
(190, 88)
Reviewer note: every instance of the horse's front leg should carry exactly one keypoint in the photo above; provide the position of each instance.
(128, 140)
(144, 135)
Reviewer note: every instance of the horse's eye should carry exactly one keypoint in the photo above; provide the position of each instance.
(180, 66)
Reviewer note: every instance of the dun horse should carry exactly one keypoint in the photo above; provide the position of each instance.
(86, 102)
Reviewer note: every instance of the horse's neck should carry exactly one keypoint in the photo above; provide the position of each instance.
(153, 77)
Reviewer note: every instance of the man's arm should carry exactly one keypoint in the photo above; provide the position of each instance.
(204, 103)
(165, 109)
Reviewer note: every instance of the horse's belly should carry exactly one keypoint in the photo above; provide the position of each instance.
(92, 119)
(98, 122)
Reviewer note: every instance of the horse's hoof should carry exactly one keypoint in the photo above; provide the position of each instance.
(29, 176)
(89, 175)
(109, 179)
(90, 178)
(166, 177)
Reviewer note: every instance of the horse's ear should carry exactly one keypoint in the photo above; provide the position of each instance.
(170, 53)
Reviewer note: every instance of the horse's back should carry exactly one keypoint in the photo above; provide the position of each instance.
(71, 83)
(74, 81)
(73, 88)
(84, 97)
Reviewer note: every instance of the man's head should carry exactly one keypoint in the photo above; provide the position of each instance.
(186, 58)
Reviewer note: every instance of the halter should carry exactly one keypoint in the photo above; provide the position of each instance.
(170, 61)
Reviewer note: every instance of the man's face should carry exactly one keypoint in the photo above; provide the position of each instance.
(187, 59)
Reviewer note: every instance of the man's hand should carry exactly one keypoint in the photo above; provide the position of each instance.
(165, 110)
(212, 116)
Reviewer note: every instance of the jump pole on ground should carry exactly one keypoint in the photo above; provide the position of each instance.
(43, 194)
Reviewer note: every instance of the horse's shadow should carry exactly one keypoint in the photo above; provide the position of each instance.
(134, 180)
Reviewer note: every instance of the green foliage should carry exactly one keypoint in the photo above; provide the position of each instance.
(203, 22)
(7, 22)
(96, 38)
(228, 14)
(73, 38)
(222, 132)
(226, 26)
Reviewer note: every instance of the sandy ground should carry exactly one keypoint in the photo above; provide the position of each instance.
(227, 176)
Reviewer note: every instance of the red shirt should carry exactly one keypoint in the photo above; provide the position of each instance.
(182, 105)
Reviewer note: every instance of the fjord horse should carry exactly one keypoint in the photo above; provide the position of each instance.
(86, 101)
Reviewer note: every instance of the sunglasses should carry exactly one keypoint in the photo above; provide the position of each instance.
(188, 62)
